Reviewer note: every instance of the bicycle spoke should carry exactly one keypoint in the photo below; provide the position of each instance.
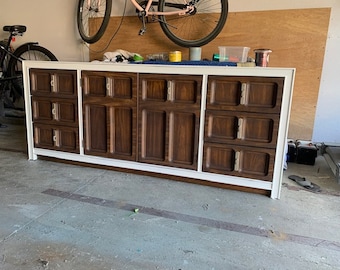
(92, 18)
(198, 26)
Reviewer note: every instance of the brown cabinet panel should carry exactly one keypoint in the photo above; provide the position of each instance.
(110, 118)
(241, 128)
(108, 84)
(56, 138)
(183, 127)
(251, 94)
(153, 135)
(153, 89)
(58, 111)
(122, 131)
(171, 89)
(61, 83)
(95, 129)
(169, 109)
(169, 138)
(251, 162)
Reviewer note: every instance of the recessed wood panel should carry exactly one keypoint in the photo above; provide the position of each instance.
(94, 84)
(66, 83)
(95, 129)
(224, 92)
(120, 87)
(186, 91)
(121, 131)
(154, 89)
(40, 81)
(262, 94)
(182, 130)
(153, 135)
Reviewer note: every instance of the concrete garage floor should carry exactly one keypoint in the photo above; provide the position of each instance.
(60, 216)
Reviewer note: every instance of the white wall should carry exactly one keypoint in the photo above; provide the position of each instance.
(53, 24)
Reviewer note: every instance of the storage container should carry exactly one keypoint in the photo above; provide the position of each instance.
(233, 54)
(306, 152)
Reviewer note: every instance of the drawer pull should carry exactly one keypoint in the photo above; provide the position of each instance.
(244, 94)
(237, 161)
(170, 96)
(108, 87)
(53, 83)
(240, 129)
(55, 111)
(56, 138)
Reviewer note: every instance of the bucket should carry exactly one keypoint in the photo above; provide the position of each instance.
(195, 53)
(262, 57)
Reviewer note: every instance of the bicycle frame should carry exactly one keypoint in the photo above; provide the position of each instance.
(148, 12)
(188, 8)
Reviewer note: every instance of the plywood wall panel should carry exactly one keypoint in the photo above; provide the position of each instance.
(296, 37)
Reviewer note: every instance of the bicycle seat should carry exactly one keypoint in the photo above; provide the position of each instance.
(15, 28)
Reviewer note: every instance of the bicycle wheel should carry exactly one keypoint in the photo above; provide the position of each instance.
(92, 18)
(197, 27)
(27, 51)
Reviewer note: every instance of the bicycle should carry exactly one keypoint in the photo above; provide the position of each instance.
(188, 23)
(11, 81)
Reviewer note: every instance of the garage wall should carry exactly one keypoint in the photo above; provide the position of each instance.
(53, 24)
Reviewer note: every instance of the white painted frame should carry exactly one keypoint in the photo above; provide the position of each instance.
(275, 186)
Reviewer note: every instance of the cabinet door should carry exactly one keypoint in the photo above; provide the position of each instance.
(251, 162)
(60, 83)
(56, 138)
(252, 94)
(169, 137)
(169, 114)
(253, 129)
(110, 114)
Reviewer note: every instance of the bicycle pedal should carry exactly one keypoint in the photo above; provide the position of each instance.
(142, 32)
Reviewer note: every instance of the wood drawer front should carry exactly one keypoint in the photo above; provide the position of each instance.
(55, 111)
(110, 131)
(245, 94)
(250, 162)
(252, 129)
(109, 84)
(56, 138)
(59, 83)
(169, 138)
(174, 89)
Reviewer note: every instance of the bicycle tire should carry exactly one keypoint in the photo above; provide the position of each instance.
(197, 28)
(99, 15)
(27, 51)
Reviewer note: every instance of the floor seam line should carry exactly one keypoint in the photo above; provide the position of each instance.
(217, 224)
(4, 239)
